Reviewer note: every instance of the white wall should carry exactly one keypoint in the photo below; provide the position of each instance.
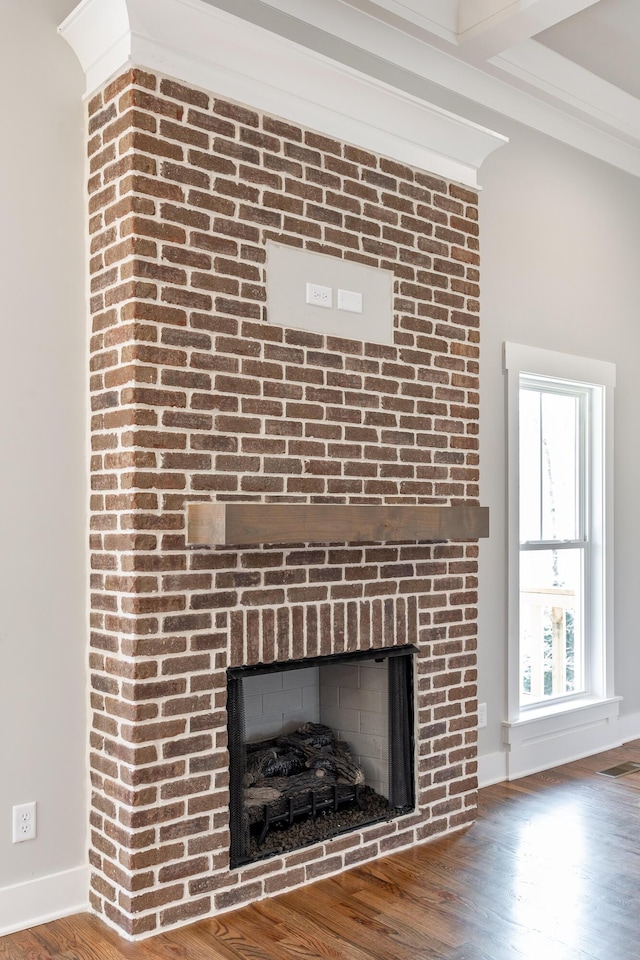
(43, 474)
(560, 240)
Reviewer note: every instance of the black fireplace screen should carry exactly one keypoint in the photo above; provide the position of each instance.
(306, 784)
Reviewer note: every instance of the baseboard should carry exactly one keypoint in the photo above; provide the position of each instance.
(629, 727)
(47, 898)
(541, 740)
(520, 772)
(492, 768)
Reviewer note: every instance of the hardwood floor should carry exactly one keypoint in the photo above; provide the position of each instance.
(551, 871)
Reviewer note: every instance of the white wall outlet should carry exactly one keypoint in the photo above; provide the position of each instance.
(24, 822)
(350, 300)
(482, 715)
(319, 296)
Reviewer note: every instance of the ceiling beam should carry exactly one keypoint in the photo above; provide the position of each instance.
(438, 17)
(488, 27)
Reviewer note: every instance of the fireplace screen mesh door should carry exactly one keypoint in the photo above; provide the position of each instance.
(318, 747)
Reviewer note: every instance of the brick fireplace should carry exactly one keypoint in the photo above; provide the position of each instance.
(198, 396)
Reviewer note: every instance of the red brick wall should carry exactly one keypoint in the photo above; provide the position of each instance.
(194, 395)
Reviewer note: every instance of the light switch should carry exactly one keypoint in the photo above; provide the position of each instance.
(350, 300)
(319, 296)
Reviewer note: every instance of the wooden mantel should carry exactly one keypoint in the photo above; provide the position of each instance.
(239, 524)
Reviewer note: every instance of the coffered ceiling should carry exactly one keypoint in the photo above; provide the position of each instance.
(569, 68)
(604, 39)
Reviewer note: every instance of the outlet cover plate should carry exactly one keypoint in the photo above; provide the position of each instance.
(24, 822)
(350, 300)
(319, 295)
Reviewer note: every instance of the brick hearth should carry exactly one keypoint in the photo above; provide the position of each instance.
(196, 396)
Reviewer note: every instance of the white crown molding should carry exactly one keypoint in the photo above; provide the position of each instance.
(100, 36)
(199, 44)
(487, 84)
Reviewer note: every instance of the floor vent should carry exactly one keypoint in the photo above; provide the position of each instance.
(620, 770)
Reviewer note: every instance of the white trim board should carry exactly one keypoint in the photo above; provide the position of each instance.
(494, 767)
(629, 727)
(528, 727)
(551, 363)
(201, 45)
(547, 741)
(47, 898)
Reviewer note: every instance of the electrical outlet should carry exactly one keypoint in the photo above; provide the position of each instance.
(24, 822)
(319, 296)
(482, 715)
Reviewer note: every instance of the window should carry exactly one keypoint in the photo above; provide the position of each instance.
(555, 526)
(560, 410)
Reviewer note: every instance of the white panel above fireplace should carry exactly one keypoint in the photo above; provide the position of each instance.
(337, 286)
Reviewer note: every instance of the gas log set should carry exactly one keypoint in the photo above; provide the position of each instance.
(292, 780)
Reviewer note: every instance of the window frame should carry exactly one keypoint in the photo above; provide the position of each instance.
(598, 378)
(590, 398)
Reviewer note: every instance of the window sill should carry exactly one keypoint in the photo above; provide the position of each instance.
(560, 708)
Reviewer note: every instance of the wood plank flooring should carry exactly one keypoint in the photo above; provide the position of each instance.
(551, 871)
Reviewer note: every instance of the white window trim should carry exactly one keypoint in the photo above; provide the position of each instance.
(541, 737)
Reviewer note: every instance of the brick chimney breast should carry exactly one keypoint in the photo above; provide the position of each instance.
(195, 396)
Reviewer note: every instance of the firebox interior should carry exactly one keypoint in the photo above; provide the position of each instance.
(318, 747)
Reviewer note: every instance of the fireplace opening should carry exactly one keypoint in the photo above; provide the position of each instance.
(318, 747)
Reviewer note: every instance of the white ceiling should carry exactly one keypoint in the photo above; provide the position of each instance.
(569, 68)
